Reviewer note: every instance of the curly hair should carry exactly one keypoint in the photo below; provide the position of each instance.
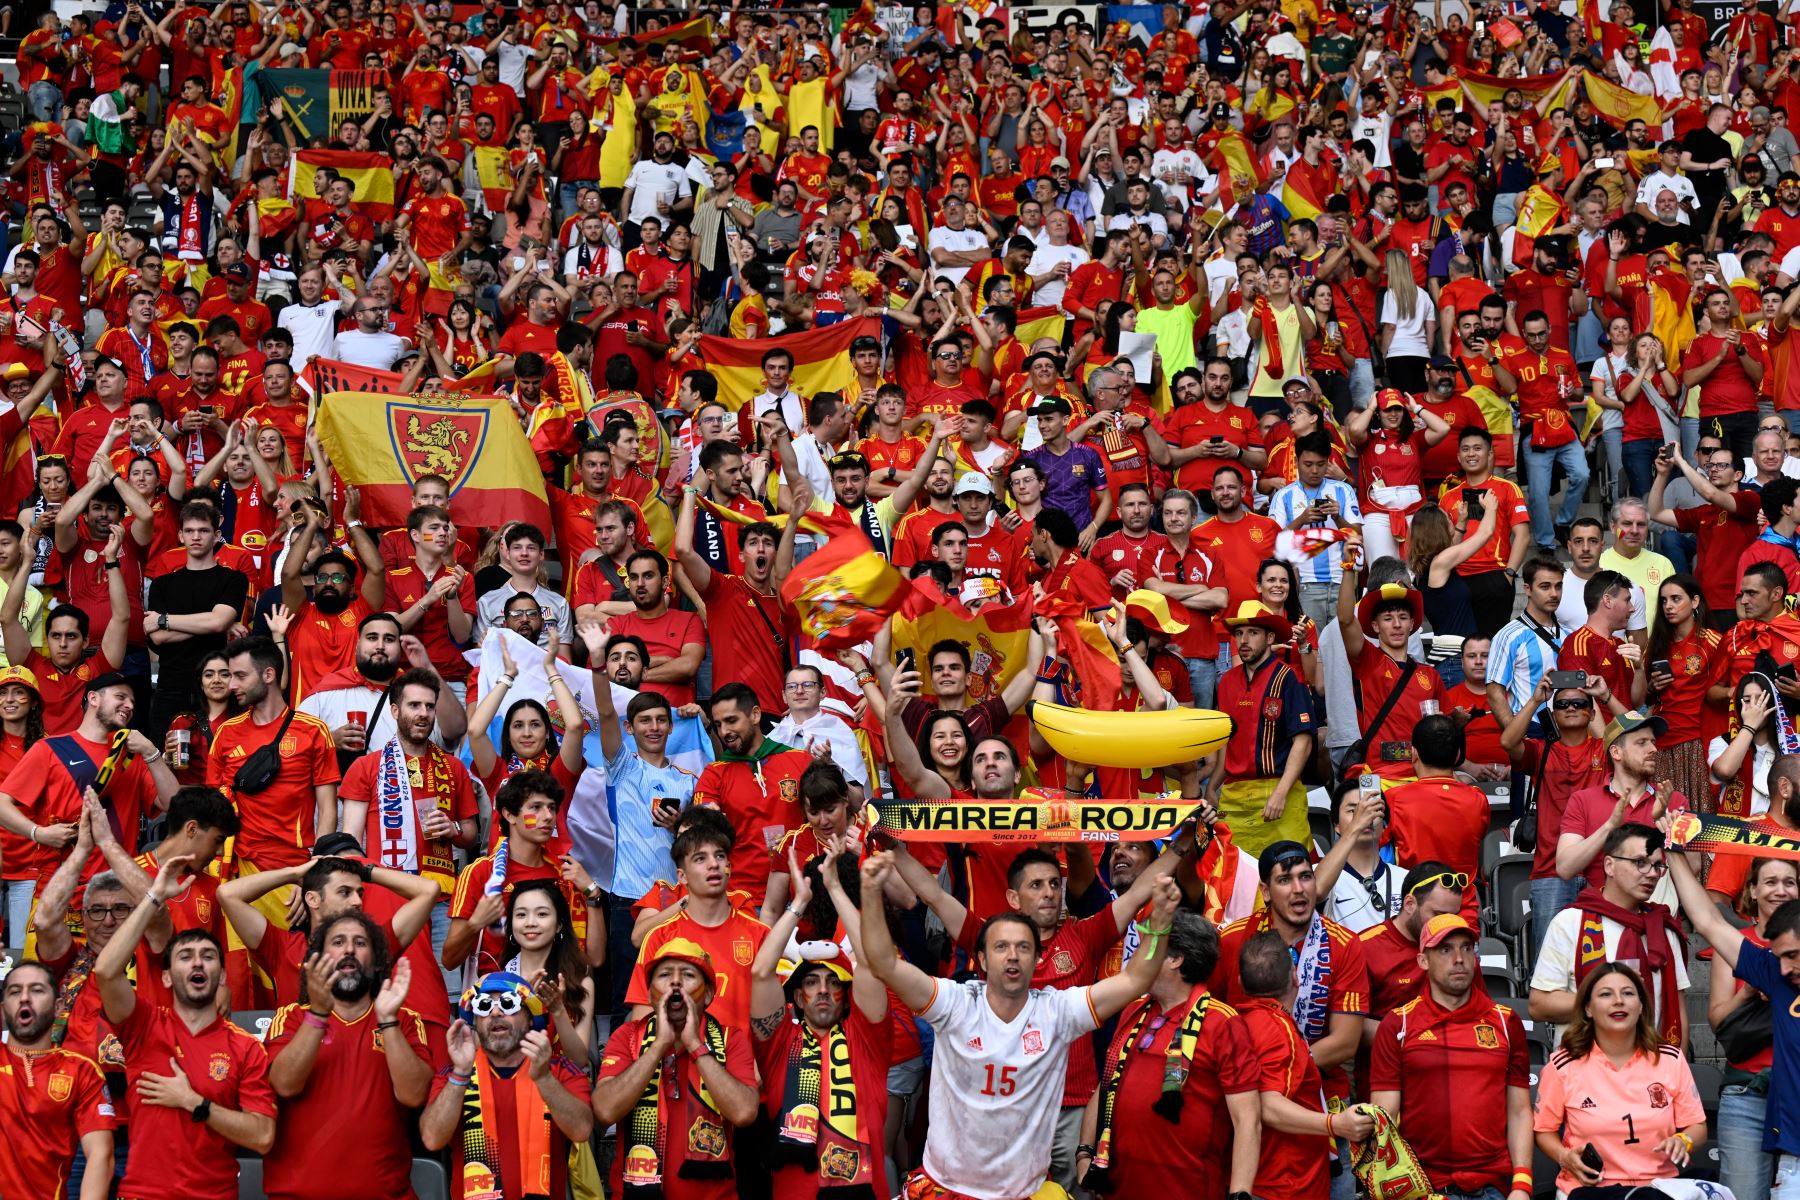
(381, 960)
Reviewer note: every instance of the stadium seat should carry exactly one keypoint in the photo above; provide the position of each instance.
(250, 1179)
(429, 1179)
(1501, 985)
(1709, 1081)
(1513, 925)
(1509, 872)
(254, 1020)
(1491, 851)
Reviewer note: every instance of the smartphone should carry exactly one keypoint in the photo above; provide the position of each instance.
(1604, 164)
(1562, 680)
(1217, 438)
(1660, 665)
(1472, 496)
(209, 410)
(905, 659)
(1590, 1158)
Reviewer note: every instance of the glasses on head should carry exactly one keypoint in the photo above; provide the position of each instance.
(1456, 880)
(111, 913)
(805, 685)
(331, 577)
(1572, 703)
(1647, 864)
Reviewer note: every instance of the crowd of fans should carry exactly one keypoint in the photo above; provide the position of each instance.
(1284, 349)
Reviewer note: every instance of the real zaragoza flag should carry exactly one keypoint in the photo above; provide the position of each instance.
(821, 360)
(383, 443)
(371, 176)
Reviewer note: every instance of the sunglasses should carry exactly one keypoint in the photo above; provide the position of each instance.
(1571, 704)
(1450, 879)
(487, 1004)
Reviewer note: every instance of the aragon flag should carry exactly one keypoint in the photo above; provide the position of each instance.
(383, 443)
(821, 360)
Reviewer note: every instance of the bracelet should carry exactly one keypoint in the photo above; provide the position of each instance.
(1521, 1179)
(455, 1080)
(1685, 1140)
(316, 1021)
(1329, 1131)
(503, 681)
(1085, 1149)
(153, 759)
(387, 1024)
(34, 833)
(112, 564)
(794, 910)
(865, 678)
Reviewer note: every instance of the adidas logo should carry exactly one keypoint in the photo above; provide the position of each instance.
(975, 1043)
(1589, 1103)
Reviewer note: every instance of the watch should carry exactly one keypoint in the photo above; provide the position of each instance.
(162, 621)
(202, 1111)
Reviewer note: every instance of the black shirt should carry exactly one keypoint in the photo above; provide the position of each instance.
(187, 593)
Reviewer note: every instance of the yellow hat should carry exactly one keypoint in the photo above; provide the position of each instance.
(22, 676)
(15, 370)
(1256, 614)
(1552, 161)
(787, 969)
(1152, 608)
(682, 950)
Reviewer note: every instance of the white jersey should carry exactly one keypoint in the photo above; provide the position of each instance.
(997, 1087)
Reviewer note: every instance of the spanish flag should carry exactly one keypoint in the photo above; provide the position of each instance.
(696, 35)
(821, 360)
(1489, 88)
(1539, 209)
(1306, 189)
(1617, 104)
(382, 444)
(493, 173)
(846, 592)
(1234, 156)
(1035, 323)
(997, 637)
(371, 177)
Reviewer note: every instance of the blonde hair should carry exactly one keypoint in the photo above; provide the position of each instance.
(1400, 284)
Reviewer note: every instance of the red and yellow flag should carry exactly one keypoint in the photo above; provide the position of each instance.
(1035, 323)
(371, 177)
(1617, 104)
(1306, 188)
(383, 443)
(493, 173)
(998, 637)
(1233, 155)
(845, 592)
(821, 360)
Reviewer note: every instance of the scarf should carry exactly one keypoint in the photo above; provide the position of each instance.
(1644, 942)
(189, 242)
(1737, 797)
(1264, 314)
(1218, 870)
(527, 1160)
(819, 1108)
(1385, 1164)
(1312, 1003)
(496, 880)
(755, 759)
(646, 1128)
(69, 991)
(1178, 1062)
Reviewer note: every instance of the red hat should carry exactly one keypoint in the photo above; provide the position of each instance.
(1388, 593)
(1442, 926)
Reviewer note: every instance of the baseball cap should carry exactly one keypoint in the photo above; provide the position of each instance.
(105, 680)
(1279, 854)
(1442, 926)
(110, 361)
(1391, 398)
(1059, 161)
(1044, 355)
(974, 483)
(683, 950)
(23, 676)
(1631, 722)
(237, 272)
(1442, 362)
(337, 844)
(1221, 111)
(1055, 404)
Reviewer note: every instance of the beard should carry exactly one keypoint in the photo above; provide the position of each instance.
(502, 1040)
(33, 1030)
(379, 669)
(353, 985)
(331, 603)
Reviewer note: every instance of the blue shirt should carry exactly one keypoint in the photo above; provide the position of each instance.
(1762, 970)
(632, 788)
(1519, 657)
(1292, 500)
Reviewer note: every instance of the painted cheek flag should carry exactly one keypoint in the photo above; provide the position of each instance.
(845, 592)
(821, 360)
(371, 177)
(1618, 105)
(383, 443)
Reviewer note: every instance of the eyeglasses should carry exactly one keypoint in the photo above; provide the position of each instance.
(487, 1004)
(950, 356)
(1572, 703)
(516, 613)
(1646, 865)
(109, 913)
(1456, 880)
(331, 577)
(801, 686)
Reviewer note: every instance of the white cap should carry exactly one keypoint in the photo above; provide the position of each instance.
(973, 481)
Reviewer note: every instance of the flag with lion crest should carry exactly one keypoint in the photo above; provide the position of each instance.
(382, 444)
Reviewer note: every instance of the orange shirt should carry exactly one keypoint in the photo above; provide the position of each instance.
(732, 946)
(278, 822)
(1510, 511)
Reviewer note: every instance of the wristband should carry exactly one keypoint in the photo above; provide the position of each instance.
(34, 833)
(316, 1021)
(503, 680)
(864, 678)
(1521, 1179)
(387, 1024)
(112, 564)
(1329, 1131)
(152, 759)
(455, 1080)
(1685, 1140)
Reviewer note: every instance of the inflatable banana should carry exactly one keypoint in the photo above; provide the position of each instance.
(1136, 740)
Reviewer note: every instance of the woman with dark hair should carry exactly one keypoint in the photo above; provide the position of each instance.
(528, 738)
(1433, 552)
(1278, 587)
(52, 476)
(1611, 1050)
(1686, 661)
(1391, 438)
(1744, 1166)
(541, 947)
(190, 733)
(1742, 755)
(459, 343)
(1328, 358)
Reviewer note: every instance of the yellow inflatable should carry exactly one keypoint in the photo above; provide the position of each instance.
(1135, 740)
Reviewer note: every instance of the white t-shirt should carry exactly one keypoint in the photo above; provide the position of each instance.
(1572, 613)
(1171, 168)
(1352, 903)
(1409, 336)
(964, 239)
(1050, 293)
(651, 181)
(1656, 181)
(1555, 971)
(1376, 129)
(997, 1086)
(379, 351)
(1125, 219)
(1759, 772)
(514, 58)
(314, 328)
(335, 706)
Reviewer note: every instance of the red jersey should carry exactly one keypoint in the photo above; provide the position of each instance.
(279, 823)
(1566, 771)
(438, 223)
(1376, 674)
(434, 858)
(762, 799)
(1509, 512)
(869, 1048)
(1291, 1164)
(1589, 650)
(320, 643)
(1395, 975)
(732, 946)
(471, 885)
(506, 1101)
(1236, 550)
(665, 637)
(752, 634)
(63, 692)
(226, 1065)
(49, 1100)
(405, 588)
(348, 1105)
(1192, 424)
(1723, 540)
(44, 791)
(1440, 820)
(623, 1049)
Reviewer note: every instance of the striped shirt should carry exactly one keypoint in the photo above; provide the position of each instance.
(1519, 657)
(1328, 565)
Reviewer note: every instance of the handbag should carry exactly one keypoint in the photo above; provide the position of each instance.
(1747, 1031)
(1358, 750)
(257, 772)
